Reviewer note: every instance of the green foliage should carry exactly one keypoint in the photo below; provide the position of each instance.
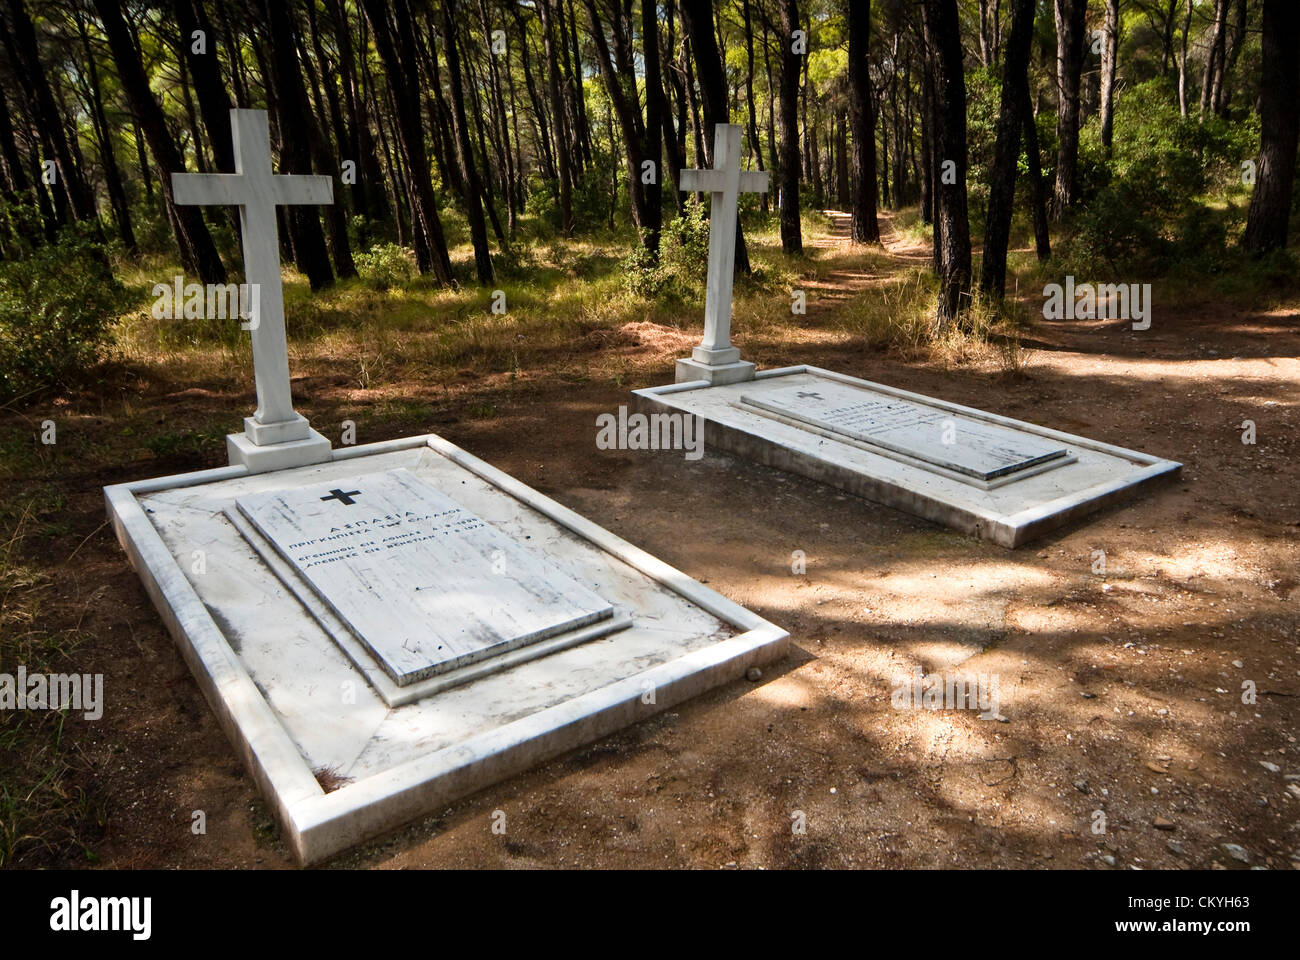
(57, 305)
(1167, 196)
(543, 201)
(683, 258)
(385, 266)
(983, 104)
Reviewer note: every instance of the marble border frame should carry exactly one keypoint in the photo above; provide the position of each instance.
(1007, 530)
(318, 825)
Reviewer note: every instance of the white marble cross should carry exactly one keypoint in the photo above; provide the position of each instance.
(257, 191)
(726, 181)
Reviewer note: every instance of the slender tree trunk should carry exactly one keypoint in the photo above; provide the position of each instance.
(1214, 61)
(771, 109)
(698, 17)
(755, 145)
(1270, 203)
(1109, 49)
(481, 128)
(580, 96)
(674, 138)
(104, 135)
(505, 153)
(50, 117)
(198, 252)
(1223, 92)
(396, 50)
(944, 42)
(863, 226)
(1069, 65)
(1037, 185)
(1006, 151)
(310, 254)
(464, 152)
(791, 229)
(560, 125)
(655, 111)
(1182, 62)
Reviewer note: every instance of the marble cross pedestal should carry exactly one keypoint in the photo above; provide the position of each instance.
(715, 360)
(276, 436)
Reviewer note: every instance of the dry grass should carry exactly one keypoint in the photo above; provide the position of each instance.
(44, 813)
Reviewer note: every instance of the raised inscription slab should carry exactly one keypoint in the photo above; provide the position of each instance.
(929, 434)
(425, 584)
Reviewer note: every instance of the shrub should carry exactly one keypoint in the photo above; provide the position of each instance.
(1151, 206)
(57, 305)
(386, 265)
(683, 258)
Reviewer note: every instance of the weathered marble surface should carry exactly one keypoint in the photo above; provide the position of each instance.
(293, 701)
(1009, 509)
(425, 584)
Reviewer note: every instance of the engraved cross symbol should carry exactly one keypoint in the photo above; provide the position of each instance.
(343, 496)
(816, 396)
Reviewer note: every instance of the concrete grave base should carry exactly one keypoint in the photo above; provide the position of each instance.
(1009, 510)
(296, 703)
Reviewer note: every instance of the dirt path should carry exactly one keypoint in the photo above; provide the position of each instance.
(1123, 690)
(845, 280)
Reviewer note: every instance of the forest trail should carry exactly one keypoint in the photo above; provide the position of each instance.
(857, 268)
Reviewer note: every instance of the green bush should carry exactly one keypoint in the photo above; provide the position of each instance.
(1156, 203)
(386, 265)
(683, 264)
(543, 202)
(57, 305)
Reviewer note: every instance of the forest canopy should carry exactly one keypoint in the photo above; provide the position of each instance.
(1125, 137)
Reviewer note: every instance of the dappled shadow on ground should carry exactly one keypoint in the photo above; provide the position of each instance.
(1122, 691)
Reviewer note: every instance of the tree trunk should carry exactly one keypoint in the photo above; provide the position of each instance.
(755, 145)
(1182, 62)
(1037, 186)
(464, 152)
(1109, 49)
(1222, 92)
(396, 50)
(580, 97)
(1006, 151)
(655, 111)
(310, 254)
(1214, 61)
(48, 115)
(791, 230)
(198, 252)
(1069, 65)
(104, 135)
(944, 42)
(1279, 109)
(863, 226)
(559, 123)
(698, 17)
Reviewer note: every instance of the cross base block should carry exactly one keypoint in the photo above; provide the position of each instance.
(314, 448)
(717, 374)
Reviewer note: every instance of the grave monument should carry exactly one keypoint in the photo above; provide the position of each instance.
(996, 478)
(400, 618)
